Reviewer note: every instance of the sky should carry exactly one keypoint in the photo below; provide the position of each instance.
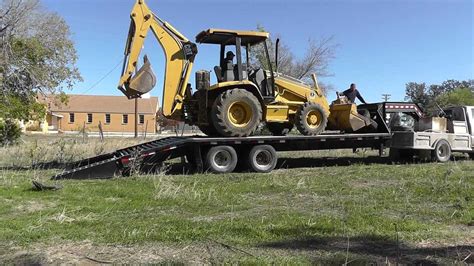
(382, 44)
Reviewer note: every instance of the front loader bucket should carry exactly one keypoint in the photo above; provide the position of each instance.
(346, 117)
(143, 82)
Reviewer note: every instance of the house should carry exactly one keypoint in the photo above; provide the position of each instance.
(116, 114)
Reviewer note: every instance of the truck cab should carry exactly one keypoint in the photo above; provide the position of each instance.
(436, 138)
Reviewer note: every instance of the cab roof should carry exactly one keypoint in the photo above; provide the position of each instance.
(219, 36)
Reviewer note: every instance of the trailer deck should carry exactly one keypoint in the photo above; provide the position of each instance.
(149, 156)
(221, 154)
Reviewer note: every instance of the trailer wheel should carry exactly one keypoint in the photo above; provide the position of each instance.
(221, 159)
(236, 113)
(279, 129)
(471, 155)
(311, 119)
(262, 159)
(442, 151)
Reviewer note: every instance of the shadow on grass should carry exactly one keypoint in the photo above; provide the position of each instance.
(375, 249)
(310, 162)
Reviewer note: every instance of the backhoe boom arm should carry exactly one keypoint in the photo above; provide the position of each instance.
(179, 55)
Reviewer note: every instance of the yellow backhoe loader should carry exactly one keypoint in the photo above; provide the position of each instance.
(242, 98)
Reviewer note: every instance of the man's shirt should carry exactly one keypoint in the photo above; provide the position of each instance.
(352, 94)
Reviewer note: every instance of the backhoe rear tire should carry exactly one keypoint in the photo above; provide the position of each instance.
(236, 113)
(311, 119)
(279, 129)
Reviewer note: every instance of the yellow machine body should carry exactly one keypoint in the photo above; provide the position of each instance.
(288, 94)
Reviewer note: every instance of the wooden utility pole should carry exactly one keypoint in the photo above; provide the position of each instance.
(136, 117)
(386, 97)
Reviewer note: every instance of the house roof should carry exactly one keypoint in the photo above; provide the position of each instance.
(100, 104)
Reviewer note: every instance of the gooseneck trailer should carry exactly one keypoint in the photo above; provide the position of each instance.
(259, 153)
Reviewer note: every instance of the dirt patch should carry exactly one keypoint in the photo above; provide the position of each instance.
(33, 206)
(89, 253)
(330, 251)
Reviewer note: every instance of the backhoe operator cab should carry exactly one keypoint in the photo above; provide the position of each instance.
(241, 42)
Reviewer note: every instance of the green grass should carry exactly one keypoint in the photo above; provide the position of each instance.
(296, 215)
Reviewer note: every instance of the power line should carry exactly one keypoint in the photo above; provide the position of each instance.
(104, 77)
(386, 97)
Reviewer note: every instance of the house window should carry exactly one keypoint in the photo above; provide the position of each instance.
(89, 118)
(125, 119)
(71, 118)
(107, 118)
(141, 119)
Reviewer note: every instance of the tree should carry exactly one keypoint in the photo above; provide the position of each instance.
(458, 96)
(450, 92)
(37, 57)
(417, 93)
(316, 59)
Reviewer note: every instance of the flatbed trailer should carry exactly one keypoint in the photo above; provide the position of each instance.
(149, 156)
(224, 154)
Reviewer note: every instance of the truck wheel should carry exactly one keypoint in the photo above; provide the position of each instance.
(442, 151)
(221, 159)
(311, 119)
(262, 159)
(279, 129)
(236, 113)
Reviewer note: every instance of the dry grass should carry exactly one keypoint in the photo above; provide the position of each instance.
(35, 150)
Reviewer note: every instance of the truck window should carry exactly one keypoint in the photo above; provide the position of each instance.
(455, 114)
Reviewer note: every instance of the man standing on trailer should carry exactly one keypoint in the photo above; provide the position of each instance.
(352, 93)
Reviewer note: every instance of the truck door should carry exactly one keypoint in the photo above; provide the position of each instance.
(470, 122)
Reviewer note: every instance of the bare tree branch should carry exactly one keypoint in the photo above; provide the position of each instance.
(317, 58)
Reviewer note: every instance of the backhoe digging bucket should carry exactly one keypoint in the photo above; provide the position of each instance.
(142, 82)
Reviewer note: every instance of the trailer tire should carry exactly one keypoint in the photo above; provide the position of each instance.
(262, 159)
(311, 119)
(221, 159)
(236, 113)
(471, 155)
(442, 151)
(279, 129)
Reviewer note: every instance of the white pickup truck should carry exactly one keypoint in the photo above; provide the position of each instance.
(436, 138)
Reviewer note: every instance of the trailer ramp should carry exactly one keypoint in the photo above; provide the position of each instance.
(120, 161)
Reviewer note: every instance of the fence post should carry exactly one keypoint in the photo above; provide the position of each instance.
(101, 132)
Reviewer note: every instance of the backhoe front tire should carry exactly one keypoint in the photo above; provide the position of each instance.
(279, 129)
(236, 113)
(311, 119)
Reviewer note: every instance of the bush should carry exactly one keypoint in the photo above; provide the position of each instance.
(10, 132)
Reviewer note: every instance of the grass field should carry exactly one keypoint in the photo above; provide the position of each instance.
(319, 207)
